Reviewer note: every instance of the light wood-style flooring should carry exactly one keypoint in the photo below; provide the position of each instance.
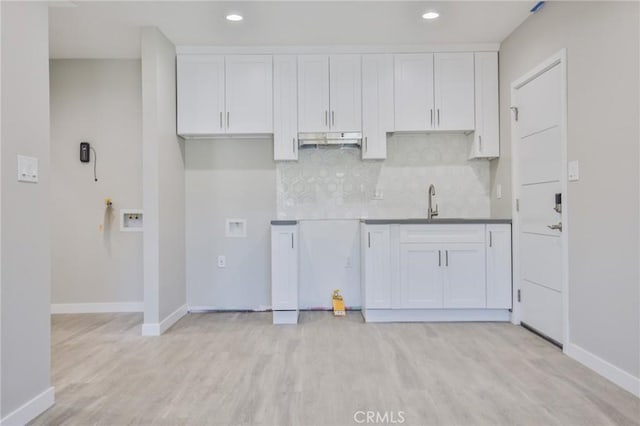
(238, 368)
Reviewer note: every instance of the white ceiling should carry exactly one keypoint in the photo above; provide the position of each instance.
(89, 29)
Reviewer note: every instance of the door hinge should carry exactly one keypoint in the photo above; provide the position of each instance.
(519, 296)
(515, 112)
(517, 204)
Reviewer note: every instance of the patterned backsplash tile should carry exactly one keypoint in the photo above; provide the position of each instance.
(336, 183)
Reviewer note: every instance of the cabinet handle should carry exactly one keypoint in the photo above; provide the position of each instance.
(369, 237)
(221, 119)
(431, 113)
(480, 141)
(446, 253)
(490, 239)
(439, 258)
(366, 145)
(293, 140)
(228, 114)
(333, 118)
(438, 117)
(291, 240)
(326, 118)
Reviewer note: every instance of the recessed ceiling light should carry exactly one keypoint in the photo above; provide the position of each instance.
(234, 17)
(430, 15)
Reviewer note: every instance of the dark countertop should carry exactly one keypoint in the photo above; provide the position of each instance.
(284, 222)
(425, 221)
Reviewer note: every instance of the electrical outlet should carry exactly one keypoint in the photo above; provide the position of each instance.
(222, 261)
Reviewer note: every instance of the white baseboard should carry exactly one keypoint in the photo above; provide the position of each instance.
(30, 410)
(94, 308)
(156, 329)
(609, 371)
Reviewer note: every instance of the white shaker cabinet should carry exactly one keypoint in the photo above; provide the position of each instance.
(486, 139)
(464, 284)
(284, 273)
(499, 275)
(454, 91)
(421, 276)
(414, 94)
(434, 92)
(285, 107)
(329, 93)
(224, 95)
(200, 95)
(376, 266)
(377, 105)
(249, 94)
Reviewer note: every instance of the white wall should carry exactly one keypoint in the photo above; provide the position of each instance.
(163, 180)
(98, 101)
(602, 41)
(232, 179)
(25, 274)
(332, 183)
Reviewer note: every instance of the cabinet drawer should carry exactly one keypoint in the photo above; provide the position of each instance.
(442, 233)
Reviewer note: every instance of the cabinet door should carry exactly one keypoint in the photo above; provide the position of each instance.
(421, 268)
(345, 93)
(414, 107)
(249, 94)
(454, 91)
(376, 277)
(486, 139)
(377, 105)
(200, 94)
(313, 93)
(285, 108)
(464, 276)
(499, 278)
(284, 268)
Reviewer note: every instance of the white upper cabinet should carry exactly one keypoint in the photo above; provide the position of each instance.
(414, 101)
(486, 139)
(200, 94)
(434, 92)
(345, 93)
(329, 93)
(313, 93)
(285, 107)
(454, 91)
(249, 94)
(377, 105)
(224, 95)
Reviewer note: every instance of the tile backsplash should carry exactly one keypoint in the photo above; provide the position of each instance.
(336, 183)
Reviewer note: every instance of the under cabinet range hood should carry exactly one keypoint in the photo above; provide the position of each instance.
(330, 140)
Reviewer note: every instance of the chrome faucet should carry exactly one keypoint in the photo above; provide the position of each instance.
(432, 193)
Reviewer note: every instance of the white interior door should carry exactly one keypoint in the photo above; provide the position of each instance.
(538, 129)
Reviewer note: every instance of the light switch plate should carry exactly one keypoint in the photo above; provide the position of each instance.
(27, 169)
(222, 261)
(498, 191)
(573, 171)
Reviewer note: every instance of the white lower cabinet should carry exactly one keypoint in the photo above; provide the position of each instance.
(420, 276)
(284, 273)
(436, 272)
(464, 284)
(376, 266)
(499, 274)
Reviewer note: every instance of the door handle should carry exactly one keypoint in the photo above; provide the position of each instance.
(557, 227)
